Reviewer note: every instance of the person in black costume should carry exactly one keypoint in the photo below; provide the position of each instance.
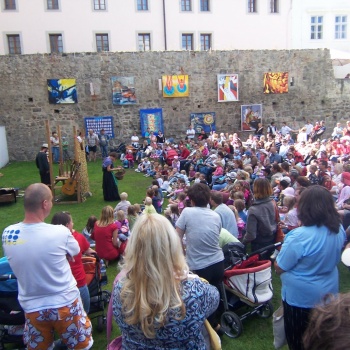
(109, 181)
(42, 164)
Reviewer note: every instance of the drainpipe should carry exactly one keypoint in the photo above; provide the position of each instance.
(164, 25)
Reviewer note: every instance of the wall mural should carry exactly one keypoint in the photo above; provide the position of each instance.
(175, 85)
(227, 87)
(152, 119)
(203, 121)
(251, 116)
(62, 91)
(276, 83)
(123, 91)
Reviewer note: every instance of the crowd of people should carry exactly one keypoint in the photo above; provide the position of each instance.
(220, 189)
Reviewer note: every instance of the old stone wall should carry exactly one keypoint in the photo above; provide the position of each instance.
(24, 106)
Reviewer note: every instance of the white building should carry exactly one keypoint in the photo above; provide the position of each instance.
(62, 26)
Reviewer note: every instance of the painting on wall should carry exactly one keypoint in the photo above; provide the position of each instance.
(276, 83)
(98, 123)
(62, 91)
(175, 85)
(152, 119)
(123, 91)
(251, 116)
(227, 87)
(203, 121)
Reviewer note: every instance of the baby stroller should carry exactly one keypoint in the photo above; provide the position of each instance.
(121, 148)
(11, 313)
(247, 283)
(95, 270)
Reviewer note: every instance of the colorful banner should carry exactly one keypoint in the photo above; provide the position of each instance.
(62, 91)
(152, 119)
(251, 116)
(227, 87)
(276, 83)
(98, 123)
(123, 91)
(175, 85)
(203, 121)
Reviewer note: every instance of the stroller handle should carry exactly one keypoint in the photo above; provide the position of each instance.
(8, 277)
(265, 249)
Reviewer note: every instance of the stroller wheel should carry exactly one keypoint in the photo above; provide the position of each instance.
(265, 310)
(231, 324)
(100, 323)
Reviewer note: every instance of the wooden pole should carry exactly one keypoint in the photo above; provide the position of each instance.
(50, 156)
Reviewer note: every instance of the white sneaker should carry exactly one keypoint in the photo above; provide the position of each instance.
(137, 170)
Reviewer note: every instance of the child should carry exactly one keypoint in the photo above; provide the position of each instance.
(290, 220)
(240, 206)
(176, 163)
(219, 171)
(165, 186)
(150, 171)
(123, 204)
(149, 208)
(138, 210)
(183, 175)
(130, 158)
(202, 179)
(191, 173)
(132, 216)
(172, 213)
(196, 177)
(87, 231)
(181, 197)
(159, 179)
(123, 226)
(239, 221)
(312, 176)
(159, 195)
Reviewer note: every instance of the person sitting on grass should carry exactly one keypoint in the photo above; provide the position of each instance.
(123, 204)
(130, 158)
(149, 208)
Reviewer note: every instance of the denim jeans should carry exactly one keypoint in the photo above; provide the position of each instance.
(55, 154)
(85, 298)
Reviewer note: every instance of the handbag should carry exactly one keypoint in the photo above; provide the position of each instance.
(279, 237)
(116, 343)
(279, 335)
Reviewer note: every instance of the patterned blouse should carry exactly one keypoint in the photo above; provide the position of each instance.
(201, 300)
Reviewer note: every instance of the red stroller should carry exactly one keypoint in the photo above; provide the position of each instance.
(247, 282)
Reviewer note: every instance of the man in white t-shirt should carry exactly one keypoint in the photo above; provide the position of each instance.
(38, 255)
(190, 132)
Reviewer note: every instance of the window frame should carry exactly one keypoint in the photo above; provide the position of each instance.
(186, 6)
(252, 6)
(53, 3)
(341, 32)
(315, 33)
(57, 43)
(18, 46)
(101, 37)
(186, 35)
(142, 5)
(144, 35)
(274, 6)
(10, 8)
(204, 5)
(100, 5)
(204, 36)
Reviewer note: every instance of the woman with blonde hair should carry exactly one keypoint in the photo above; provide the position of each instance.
(157, 304)
(105, 235)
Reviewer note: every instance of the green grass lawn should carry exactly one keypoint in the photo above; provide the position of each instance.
(257, 333)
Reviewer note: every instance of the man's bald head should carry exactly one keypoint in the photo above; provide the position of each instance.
(34, 195)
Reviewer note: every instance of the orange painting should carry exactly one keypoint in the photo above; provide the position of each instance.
(276, 83)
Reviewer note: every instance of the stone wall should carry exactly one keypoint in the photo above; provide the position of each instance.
(24, 106)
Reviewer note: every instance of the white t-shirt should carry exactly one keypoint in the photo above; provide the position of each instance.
(37, 254)
(190, 133)
(135, 140)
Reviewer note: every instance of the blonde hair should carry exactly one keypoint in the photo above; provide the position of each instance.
(107, 217)
(148, 201)
(289, 202)
(155, 266)
(120, 215)
(123, 196)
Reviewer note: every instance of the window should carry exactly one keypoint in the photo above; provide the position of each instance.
(316, 27)
(102, 42)
(252, 6)
(204, 5)
(56, 43)
(187, 41)
(186, 5)
(142, 5)
(99, 4)
(144, 42)
(52, 5)
(205, 42)
(10, 4)
(14, 43)
(340, 27)
(274, 6)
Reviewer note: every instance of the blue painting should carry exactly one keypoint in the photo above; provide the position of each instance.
(123, 91)
(152, 119)
(203, 121)
(62, 91)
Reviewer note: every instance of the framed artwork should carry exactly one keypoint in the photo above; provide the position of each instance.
(123, 91)
(227, 87)
(152, 119)
(62, 91)
(251, 116)
(203, 121)
(98, 123)
(276, 83)
(175, 85)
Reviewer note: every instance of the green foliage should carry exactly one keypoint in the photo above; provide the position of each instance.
(257, 333)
